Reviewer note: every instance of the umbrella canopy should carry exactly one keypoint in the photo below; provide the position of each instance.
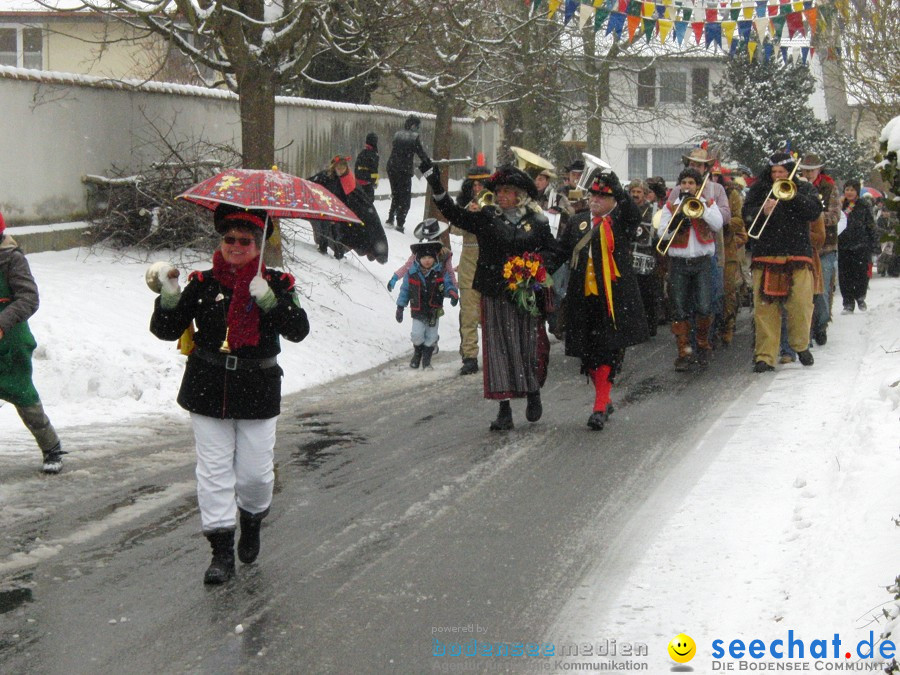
(280, 194)
(876, 194)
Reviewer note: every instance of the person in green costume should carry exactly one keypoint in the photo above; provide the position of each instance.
(18, 301)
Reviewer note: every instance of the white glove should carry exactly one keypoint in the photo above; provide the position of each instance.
(262, 293)
(168, 280)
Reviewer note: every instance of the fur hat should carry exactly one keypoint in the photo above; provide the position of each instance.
(811, 161)
(510, 175)
(2, 223)
(372, 139)
(227, 216)
(430, 229)
(599, 186)
(577, 165)
(698, 155)
(782, 159)
(412, 122)
(423, 248)
(478, 173)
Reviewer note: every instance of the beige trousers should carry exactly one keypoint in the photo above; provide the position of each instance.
(469, 318)
(767, 316)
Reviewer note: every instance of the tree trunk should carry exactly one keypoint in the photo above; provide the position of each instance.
(443, 126)
(257, 86)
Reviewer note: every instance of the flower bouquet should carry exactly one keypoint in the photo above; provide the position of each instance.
(524, 276)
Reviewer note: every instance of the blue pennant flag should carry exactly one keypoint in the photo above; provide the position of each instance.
(713, 34)
(804, 52)
(615, 24)
(761, 8)
(744, 28)
(784, 55)
(571, 8)
(767, 51)
(680, 30)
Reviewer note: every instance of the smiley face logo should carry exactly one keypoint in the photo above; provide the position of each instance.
(682, 648)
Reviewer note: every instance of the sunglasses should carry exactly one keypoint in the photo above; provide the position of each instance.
(243, 241)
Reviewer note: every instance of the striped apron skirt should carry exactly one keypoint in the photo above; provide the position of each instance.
(515, 349)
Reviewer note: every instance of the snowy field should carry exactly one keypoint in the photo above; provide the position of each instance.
(790, 525)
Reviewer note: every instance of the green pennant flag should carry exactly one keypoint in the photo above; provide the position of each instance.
(686, 13)
(649, 28)
(634, 8)
(735, 13)
(536, 5)
(600, 18)
(785, 9)
(778, 22)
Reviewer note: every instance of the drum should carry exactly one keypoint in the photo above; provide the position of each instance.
(642, 263)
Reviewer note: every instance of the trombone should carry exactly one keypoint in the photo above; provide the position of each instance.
(688, 208)
(783, 189)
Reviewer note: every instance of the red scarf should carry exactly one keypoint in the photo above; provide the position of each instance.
(243, 312)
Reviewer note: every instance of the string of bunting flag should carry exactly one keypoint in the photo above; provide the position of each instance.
(725, 25)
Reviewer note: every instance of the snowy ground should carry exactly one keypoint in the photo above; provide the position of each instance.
(789, 526)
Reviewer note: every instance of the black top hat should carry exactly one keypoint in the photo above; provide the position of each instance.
(577, 165)
(478, 173)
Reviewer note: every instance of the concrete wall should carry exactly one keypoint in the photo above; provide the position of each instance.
(58, 128)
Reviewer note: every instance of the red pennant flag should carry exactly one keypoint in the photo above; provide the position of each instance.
(773, 10)
(795, 24)
(697, 27)
(812, 16)
(712, 15)
(623, 6)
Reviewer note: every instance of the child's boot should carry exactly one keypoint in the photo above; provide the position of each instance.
(417, 356)
(426, 356)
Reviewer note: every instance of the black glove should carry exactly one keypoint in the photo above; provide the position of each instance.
(612, 180)
(399, 315)
(432, 175)
(454, 298)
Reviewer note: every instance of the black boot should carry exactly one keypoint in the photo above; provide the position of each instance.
(534, 409)
(469, 367)
(221, 569)
(598, 418)
(417, 356)
(248, 544)
(504, 421)
(53, 460)
(426, 356)
(806, 357)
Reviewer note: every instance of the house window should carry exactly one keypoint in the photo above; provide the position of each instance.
(699, 84)
(22, 47)
(647, 88)
(673, 87)
(668, 163)
(637, 163)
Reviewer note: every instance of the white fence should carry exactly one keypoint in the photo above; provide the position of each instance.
(58, 127)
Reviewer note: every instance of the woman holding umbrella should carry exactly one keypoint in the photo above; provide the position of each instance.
(232, 381)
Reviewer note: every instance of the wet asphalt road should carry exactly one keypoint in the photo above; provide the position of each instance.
(397, 517)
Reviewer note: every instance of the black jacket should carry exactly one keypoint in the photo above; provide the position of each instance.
(210, 389)
(787, 232)
(406, 145)
(589, 327)
(860, 233)
(366, 167)
(498, 239)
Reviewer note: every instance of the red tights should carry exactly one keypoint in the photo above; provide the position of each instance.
(602, 387)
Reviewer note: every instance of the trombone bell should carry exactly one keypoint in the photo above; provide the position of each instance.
(486, 198)
(529, 162)
(592, 166)
(784, 190)
(693, 208)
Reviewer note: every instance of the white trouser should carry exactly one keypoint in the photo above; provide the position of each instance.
(235, 467)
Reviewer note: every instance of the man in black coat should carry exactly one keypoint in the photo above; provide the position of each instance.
(782, 261)
(404, 148)
(604, 312)
(366, 167)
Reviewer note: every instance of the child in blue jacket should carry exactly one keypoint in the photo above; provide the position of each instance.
(424, 288)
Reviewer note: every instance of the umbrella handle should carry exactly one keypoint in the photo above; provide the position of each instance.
(262, 250)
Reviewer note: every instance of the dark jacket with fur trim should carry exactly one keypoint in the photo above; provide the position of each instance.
(787, 232)
(499, 238)
(210, 389)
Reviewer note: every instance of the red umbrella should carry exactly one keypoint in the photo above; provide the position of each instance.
(876, 194)
(279, 194)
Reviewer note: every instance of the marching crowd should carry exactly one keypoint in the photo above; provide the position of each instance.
(620, 261)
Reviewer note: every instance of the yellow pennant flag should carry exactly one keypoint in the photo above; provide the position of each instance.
(748, 12)
(843, 8)
(670, 12)
(728, 28)
(553, 6)
(751, 48)
(649, 9)
(797, 6)
(665, 27)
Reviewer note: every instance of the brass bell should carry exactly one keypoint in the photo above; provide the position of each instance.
(225, 349)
